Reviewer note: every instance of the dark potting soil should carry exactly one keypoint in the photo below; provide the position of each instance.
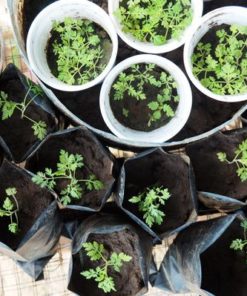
(224, 270)
(139, 112)
(211, 5)
(213, 175)
(32, 201)
(105, 45)
(95, 162)
(127, 282)
(169, 171)
(17, 132)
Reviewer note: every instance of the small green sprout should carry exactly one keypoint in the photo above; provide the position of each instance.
(78, 51)
(155, 21)
(134, 84)
(66, 170)
(239, 244)
(96, 252)
(149, 203)
(10, 209)
(240, 160)
(8, 107)
(223, 69)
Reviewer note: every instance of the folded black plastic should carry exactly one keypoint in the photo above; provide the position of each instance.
(96, 158)
(39, 221)
(216, 175)
(17, 136)
(201, 261)
(109, 226)
(156, 168)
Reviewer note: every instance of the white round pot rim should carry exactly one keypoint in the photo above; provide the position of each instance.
(40, 30)
(146, 47)
(163, 133)
(209, 20)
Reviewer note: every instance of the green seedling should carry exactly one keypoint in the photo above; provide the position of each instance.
(66, 170)
(149, 203)
(10, 209)
(96, 252)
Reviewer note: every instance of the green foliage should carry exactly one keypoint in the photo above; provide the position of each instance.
(78, 51)
(8, 107)
(240, 160)
(66, 169)
(10, 209)
(154, 21)
(134, 84)
(95, 252)
(239, 244)
(149, 203)
(223, 70)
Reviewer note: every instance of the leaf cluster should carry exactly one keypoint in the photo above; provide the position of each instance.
(67, 168)
(239, 244)
(134, 83)
(8, 107)
(149, 203)
(155, 21)
(240, 160)
(10, 209)
(78, 51)
(96, 252)
(223, 69)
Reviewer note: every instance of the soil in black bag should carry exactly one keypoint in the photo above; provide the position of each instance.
(17, 132)
(224, 270)
(127, 282)
(169, 171)
(32, 201)
(95, 160)
(215, 176)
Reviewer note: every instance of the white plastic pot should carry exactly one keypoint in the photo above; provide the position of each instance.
(161, 134)
(147, 47)
(227, 15)
(39, 34)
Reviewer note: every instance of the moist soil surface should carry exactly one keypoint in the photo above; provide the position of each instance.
(32, 201)
(95, 161)
(213, 175)
(169, 171)
(128, 282)
(206, 113)
(139, 112)
(224, 270)
(16, 130)
(55, 38)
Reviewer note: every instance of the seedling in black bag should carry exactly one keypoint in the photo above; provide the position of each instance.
(8, 107)
(239, 244)
(67, 168)
(149, 203)
(240, 160)
(10, 209)
(96, 252)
